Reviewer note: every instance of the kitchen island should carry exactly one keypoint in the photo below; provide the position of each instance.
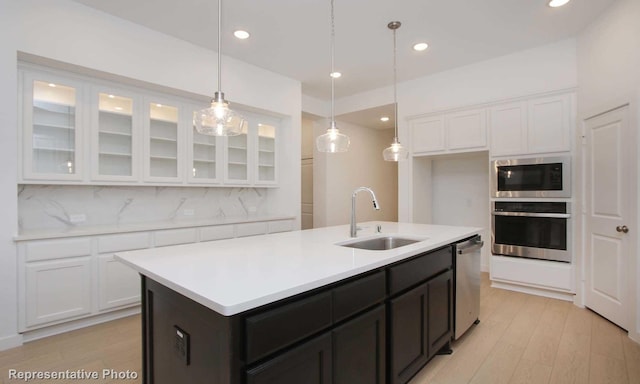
(297, 307)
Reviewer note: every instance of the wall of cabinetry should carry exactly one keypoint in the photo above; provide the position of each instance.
(450, 175)
(135, 137)
(74, 281)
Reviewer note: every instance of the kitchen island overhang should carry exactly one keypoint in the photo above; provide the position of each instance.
(226, 290)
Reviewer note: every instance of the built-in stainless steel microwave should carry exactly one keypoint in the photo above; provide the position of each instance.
(531, 177)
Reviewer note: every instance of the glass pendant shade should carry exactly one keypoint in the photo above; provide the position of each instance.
(395, 152)
(218, 119)
(333, 141)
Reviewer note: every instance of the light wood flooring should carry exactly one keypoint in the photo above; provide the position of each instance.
(520, 339)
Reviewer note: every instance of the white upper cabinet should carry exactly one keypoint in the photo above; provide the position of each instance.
(508, 124)
(116, 131)
(162, 140)
(52, 138)
(550, 124)
(133, 136)
(237, 151)
(467, 129)
(427, 134)
(205, 154)
(460, 131)
(251, 157)
(539, 125)
(265, 170)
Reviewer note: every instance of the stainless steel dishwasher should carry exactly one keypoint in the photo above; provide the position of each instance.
(467, 278)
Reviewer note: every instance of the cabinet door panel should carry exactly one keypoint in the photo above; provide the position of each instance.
(116, 120)
(308, 364)
(409, 343)
(51, 128)
(508, 129)
(467, 129)
(359, 350)
(57, 290)
(427, 134)
(163, 140)
(118, 284)
(440, 312)
(549, 124)
(265, 169)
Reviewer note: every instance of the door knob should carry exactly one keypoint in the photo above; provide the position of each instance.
(622, 228)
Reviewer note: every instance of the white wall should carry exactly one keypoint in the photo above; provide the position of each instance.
(8, 177)
(608, 66)
(72, 33)
(336, 175)
(459, 194)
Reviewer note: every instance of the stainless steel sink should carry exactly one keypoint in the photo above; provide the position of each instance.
(381, 243)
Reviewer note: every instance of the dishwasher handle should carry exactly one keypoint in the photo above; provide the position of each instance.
(475, 245)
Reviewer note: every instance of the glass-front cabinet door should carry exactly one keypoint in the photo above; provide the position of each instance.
(265, 170)
(204, 153)
(162, 141)
(52, 134)
(237, 157)
(115, 138)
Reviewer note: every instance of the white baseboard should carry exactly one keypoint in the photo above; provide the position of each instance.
(568, 296)
(9, 342)
(77, 324)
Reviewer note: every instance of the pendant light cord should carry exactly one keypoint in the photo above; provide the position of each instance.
(219, 46)
(333, 37)
(395, 84)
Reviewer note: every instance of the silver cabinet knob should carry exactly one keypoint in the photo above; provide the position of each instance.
(622, 228)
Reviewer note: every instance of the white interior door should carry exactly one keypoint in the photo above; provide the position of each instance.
(608, 216)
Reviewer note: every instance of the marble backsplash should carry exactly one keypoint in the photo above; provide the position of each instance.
(62, 207)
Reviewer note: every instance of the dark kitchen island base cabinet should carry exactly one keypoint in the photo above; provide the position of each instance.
(375, 328)
(353, 353)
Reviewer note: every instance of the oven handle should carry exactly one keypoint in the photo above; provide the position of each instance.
(530, 214)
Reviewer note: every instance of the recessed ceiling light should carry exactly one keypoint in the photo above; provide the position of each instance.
(118, 108)
(335, 75)
(557, 3)
(111, 96)
(159, 105)
(420, 47)
(52, 85)
(384, 118)
(240, 34)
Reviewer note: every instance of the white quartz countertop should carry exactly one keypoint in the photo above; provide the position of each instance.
(235, 275)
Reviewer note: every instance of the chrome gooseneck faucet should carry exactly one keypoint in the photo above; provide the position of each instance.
(354, 227)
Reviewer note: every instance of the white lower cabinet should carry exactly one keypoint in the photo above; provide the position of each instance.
(57, 290)
(78, 278)
(118, 285)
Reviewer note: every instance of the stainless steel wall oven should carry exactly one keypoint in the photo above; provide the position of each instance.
(532, 229)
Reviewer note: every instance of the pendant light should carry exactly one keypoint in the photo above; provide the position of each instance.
(332, 140)
(218, 119)
(395, 152)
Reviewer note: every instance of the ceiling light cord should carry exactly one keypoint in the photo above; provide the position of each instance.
(395, 82)
(219, 46)
(333, 48)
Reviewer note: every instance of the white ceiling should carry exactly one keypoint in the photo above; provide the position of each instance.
(291, 37)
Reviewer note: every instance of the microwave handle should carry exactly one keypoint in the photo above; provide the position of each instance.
(531, 214)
